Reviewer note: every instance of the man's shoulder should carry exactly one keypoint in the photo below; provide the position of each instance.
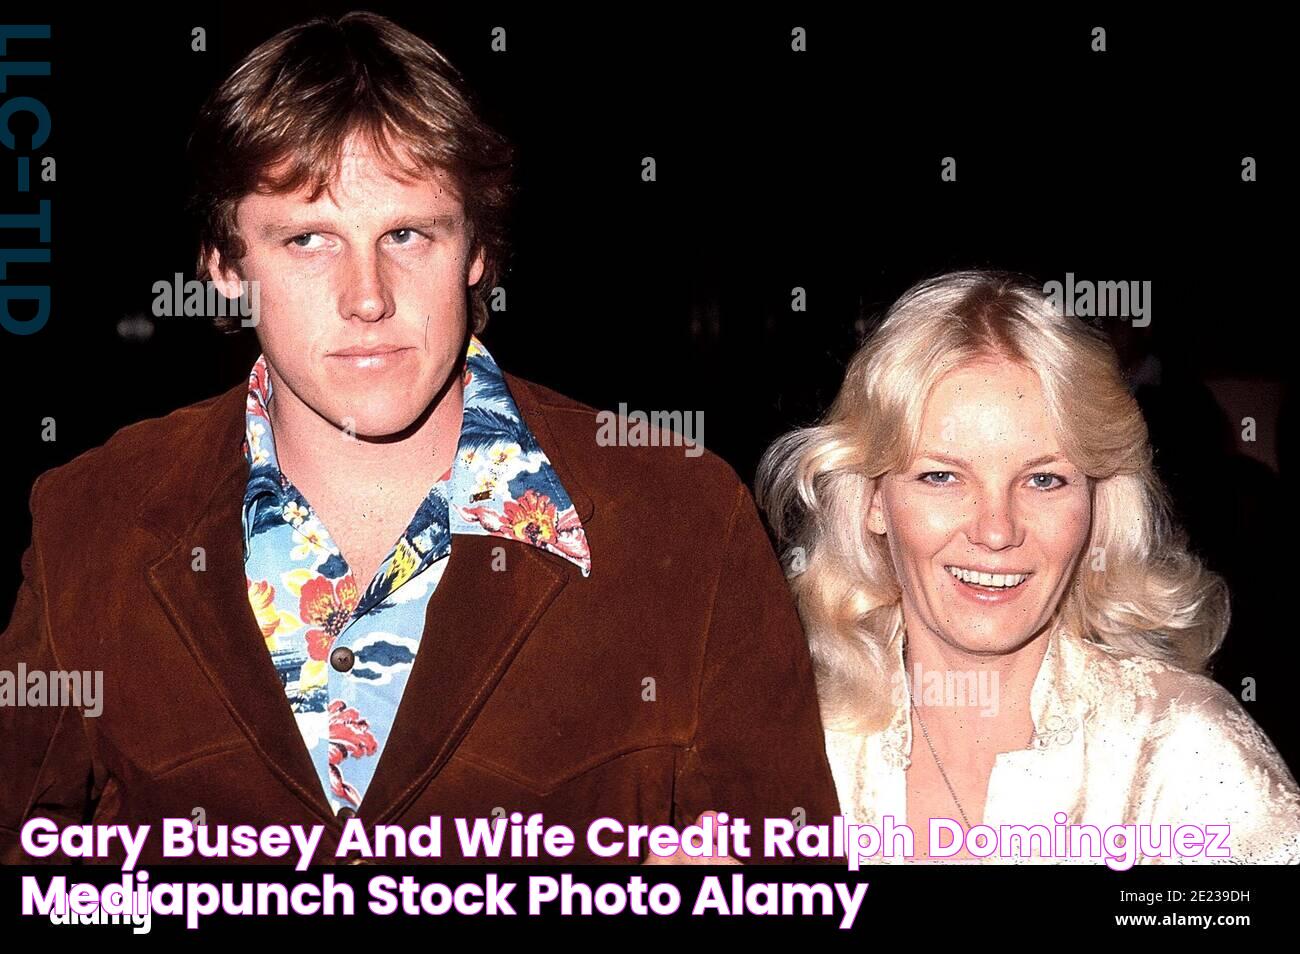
(134, 458)
(631, 460)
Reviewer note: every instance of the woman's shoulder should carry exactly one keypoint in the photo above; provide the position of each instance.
(1126, 688)
(1162, 691)
(1187, 721)
(1202, 754)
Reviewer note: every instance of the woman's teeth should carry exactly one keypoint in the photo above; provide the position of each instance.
(1005, 580)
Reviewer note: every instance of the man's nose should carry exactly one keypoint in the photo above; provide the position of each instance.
(366, 293)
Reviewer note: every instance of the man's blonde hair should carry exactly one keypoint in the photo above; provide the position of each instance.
(295, 101)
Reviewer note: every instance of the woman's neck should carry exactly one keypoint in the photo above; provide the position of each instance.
(972, 703)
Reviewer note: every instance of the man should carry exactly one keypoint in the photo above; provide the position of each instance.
(383, 578)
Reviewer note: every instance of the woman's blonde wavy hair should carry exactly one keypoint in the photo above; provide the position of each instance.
(1137, 586)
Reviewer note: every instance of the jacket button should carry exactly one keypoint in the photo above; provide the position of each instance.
(342, 659)
(346, 812)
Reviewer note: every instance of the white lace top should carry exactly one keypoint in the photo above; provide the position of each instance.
(1121, 739)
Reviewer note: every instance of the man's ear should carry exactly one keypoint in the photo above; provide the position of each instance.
(226, 279)
(476, 268)
(876, 512)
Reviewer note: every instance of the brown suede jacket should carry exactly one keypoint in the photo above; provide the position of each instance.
(530, 693)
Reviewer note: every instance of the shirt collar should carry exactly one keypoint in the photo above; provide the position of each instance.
(501, 483)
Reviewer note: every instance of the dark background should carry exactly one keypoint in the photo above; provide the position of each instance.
(776, 170)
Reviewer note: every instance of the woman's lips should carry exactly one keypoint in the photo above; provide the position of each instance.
(988, 596)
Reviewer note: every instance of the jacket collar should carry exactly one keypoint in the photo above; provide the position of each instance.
(196, 573)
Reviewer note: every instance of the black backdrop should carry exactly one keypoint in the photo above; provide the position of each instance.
(775, 170)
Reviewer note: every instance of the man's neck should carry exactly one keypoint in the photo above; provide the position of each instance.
(315, 453)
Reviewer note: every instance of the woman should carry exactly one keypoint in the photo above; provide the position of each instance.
(1008, 627)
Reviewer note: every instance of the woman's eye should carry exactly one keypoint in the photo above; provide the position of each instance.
(1049, 477)
(925, 478)
(936, 473)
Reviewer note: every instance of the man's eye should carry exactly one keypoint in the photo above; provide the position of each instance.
(404, 236)
(297, 240)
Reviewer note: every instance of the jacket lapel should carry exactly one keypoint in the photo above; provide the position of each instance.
(209, 607)
(475, 623)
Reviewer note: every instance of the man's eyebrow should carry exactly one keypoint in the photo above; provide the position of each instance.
(1035, 462)
(273, 230)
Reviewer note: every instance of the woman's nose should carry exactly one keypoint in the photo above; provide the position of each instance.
(994, 525)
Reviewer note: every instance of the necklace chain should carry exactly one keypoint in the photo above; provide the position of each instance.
(930, 745)
(937, 761)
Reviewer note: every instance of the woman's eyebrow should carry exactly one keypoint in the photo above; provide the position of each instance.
(1035, 462)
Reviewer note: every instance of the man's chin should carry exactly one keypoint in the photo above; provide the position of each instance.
(378, 425)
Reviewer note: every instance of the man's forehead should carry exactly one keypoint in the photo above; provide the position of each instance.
(366, 184)
(358, 158)
(361, 166)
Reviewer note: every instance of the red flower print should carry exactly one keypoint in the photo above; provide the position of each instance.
(531, 517)
(328, 606)
(258, 386)
(570, 538)
(340, 787)
(262, 597)
(350, 735)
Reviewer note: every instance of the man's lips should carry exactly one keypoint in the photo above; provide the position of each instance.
(375, 358)
(366, 351)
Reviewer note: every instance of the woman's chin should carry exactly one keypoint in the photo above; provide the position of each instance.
(990, 640)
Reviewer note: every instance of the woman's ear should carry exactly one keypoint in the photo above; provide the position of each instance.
(876, 512)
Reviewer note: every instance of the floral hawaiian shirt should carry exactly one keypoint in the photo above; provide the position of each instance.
(342, 651)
